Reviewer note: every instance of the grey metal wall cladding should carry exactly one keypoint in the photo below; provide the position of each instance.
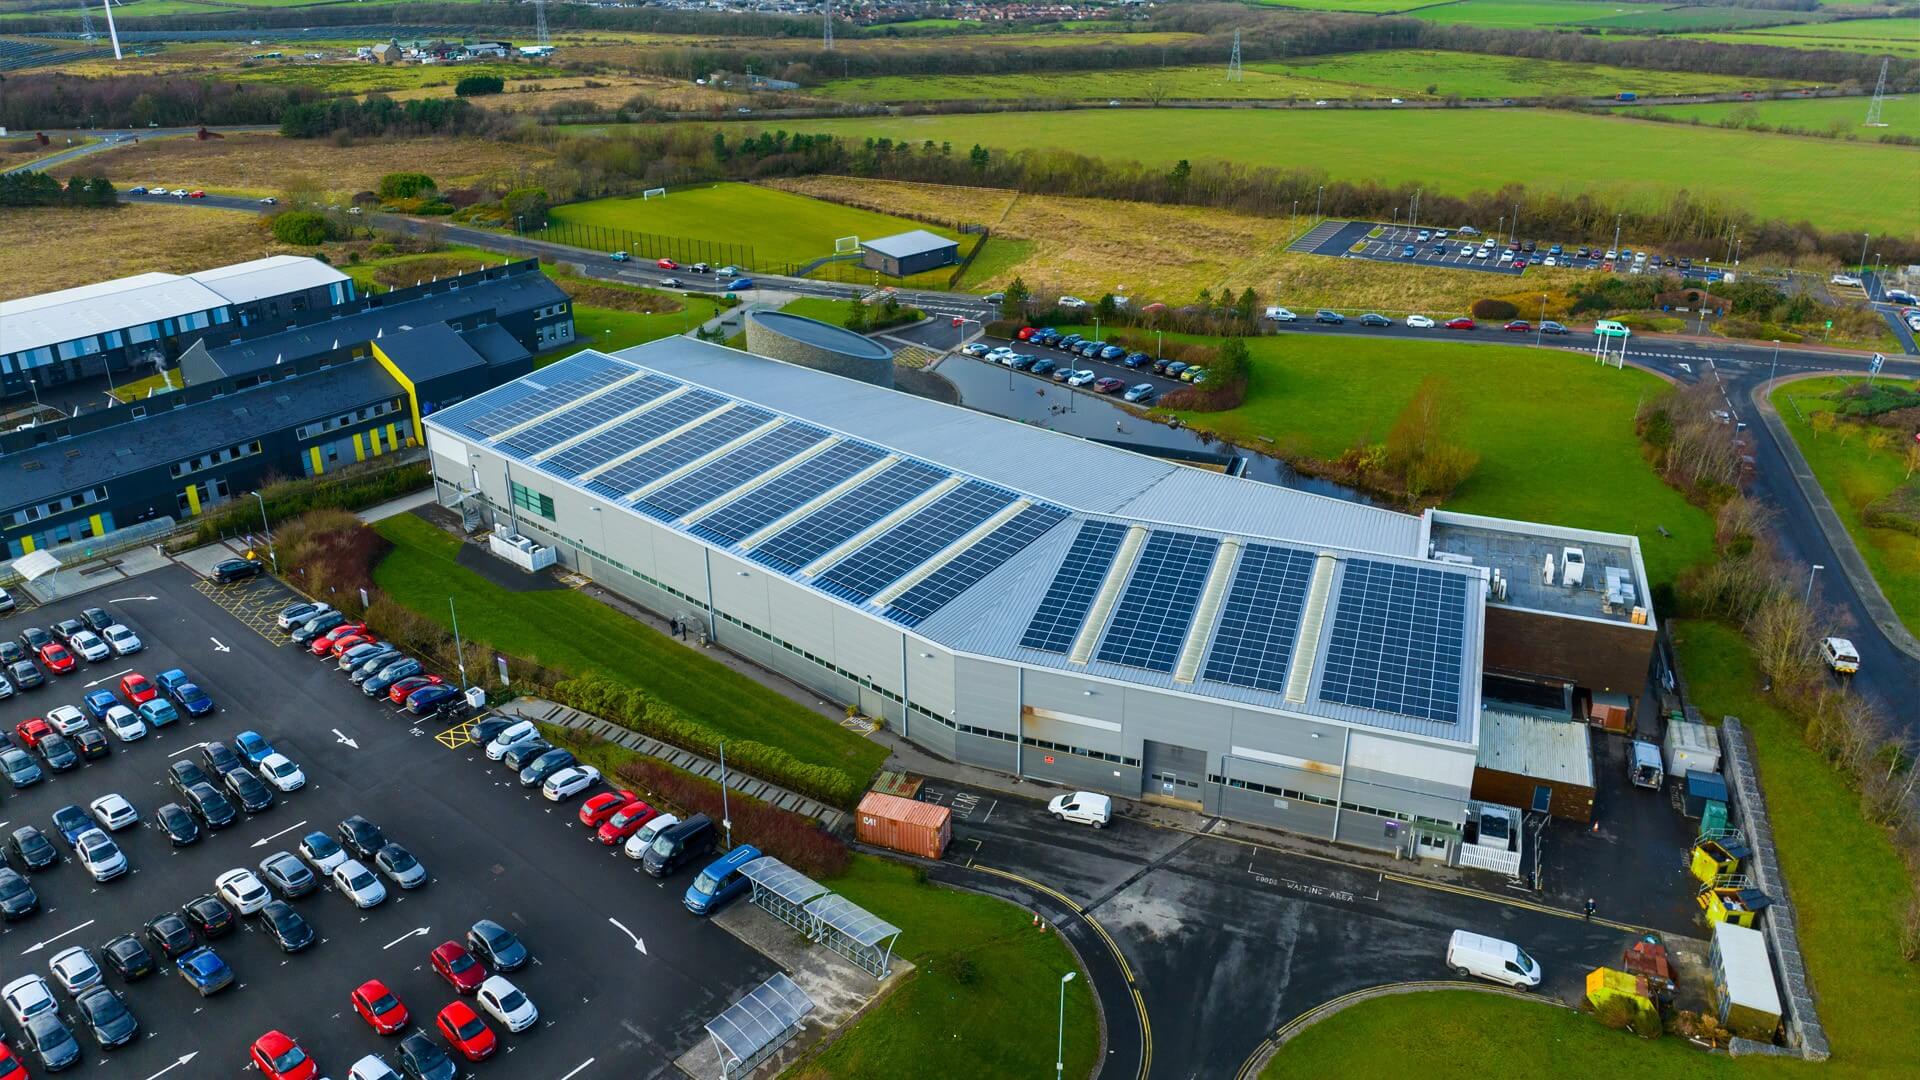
(1367, 831)
(1075, 696)
(986, 695)
(1279, 776)
(1181, 721)
(1433, 788)
(1292, 815)
(984, 752)
(1407, 802)
(767, 341)
(1074, 771)
(866, 646)
(930, 674)
(1080, 735)
(1189, 762)
(1288, 737)
(933, 735)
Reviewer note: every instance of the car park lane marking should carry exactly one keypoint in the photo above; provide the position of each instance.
(217, 647)
(457, 736)
(34, 948)
(341, 738)
(577, 1069)
(181, 1060)
(641, 946)
(418, 931)
(104, 679)
(262, 842)
(124, 599)
(256, 606)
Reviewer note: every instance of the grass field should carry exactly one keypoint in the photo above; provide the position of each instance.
(1519, 13)
(1533, 464)
(1900, 37)
(1364, 7)
(1676, 18)
(57, 248)
(566, 630)
(983, 1000)
(1844, 116)
(260, 164)
(781, 227)
(358, 77)
(1853, 476)
(1836, 185)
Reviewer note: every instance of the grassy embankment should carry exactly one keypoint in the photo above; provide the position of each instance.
(1840, 115)
(1899, 37)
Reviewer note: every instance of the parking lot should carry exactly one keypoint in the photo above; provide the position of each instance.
(623, 976)
(1057, 360)
(1457, 249)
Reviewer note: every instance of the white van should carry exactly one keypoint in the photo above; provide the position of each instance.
(639, 842)
(1491, 959)
(1085, 807)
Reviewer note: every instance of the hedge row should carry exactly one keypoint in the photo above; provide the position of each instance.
(352, 490)
(631, 707)
(786, 836)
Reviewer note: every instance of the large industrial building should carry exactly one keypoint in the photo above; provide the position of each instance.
(1032, 602)
(299, 393)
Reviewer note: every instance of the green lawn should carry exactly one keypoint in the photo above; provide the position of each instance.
(566, 630)
(984, 1001)
(358, 77)
(610, 330)
(1836, 185)
(1853, 476)
(821, 308)
(780, 227)
(1844, 116)
(999, 256)
(1553, 430)
(1900, 37)
(1512, 14)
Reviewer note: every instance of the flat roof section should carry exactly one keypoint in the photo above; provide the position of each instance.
(1613, 580)
(1556, 750)
(907, 244)
(822, 335)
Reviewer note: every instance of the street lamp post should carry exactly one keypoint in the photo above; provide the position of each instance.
(1159, 343)
(1816, 569)
(1060, 1049)
(1865, 238)
(1323, 191)
(1540, 328)
(268, 529)
(1775, 367)
(1616, 235)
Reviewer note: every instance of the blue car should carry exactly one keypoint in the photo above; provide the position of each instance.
(740, 283)
(72, 821)
(252, 746)
(1407, 252)
(97, 702)
(205, 971)
(1113, 352)
(720, 882)
(158, 712)
(428, 698)
(190, 697)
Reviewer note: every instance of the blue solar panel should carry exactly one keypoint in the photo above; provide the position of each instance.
(716, 478)
(833, 524)
(1254, 642)
(933, 592)
(1149, 623)
(585, 416)
(786, 493)
(1064, 607)
(1396, 644)
(545, 390)
(690, 445)
(629, 435)
(920, 537)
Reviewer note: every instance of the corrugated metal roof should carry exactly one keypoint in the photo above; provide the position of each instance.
(274, 275)
(1556, 750)
(903, 245)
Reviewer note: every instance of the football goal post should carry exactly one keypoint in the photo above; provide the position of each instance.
(846, 245)
(653, 193)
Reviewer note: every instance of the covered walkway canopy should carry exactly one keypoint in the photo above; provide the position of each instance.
(758, 1025)
(823, 915)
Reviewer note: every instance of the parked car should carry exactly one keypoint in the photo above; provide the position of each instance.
(1141, 394)
(1085, 807)
(205, 971)
(229, 571)
(1108, 384)
(504, 1002)
(1461, 323)
(680, 844)
(1491, 959)
(498, 946)
(122, 641)
(158, 713)
(720, 882)
(1329, 317)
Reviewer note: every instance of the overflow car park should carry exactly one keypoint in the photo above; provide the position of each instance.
(1471, 249)
(622, 976)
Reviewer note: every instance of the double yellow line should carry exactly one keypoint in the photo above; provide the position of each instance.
(1126, 969)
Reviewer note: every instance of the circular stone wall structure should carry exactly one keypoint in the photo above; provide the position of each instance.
(822, 346)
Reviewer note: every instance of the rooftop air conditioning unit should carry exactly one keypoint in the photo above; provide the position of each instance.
(1573, 567)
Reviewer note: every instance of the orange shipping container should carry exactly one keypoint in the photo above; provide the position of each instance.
(904, 825)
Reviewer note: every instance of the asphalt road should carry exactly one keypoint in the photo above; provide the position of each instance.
(494, 850)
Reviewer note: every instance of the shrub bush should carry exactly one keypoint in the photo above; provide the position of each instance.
(1494, 309)
(348, 490)
(405, 185)
(794, 840)
(479, 85)
(304, 227)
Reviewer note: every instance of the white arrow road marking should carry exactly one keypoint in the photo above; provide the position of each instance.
(217, 647)
(342, 737)
(122, 600)
(637, 943)
(418, 931)
(577, 1070)
(105, 679)
(185, 749)
(262, 842)
(181, 1060)
(41, 945)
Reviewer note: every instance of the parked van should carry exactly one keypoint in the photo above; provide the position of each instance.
(639, 842)
(681, 844)
(1085, 807)
(1644, 768)
(720, 882)
(1491, 959)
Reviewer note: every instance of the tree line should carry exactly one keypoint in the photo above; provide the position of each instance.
(38, 189)
(28, 102)
(381, 115)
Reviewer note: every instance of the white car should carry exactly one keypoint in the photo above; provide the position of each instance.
(1396, 101)
(1466, 252)
(358, 884)
(505, 1003)
(280, 771)
(1071, 303)
(74, 969)
(66, 719)
(569, 782)
(1280, 314)
(28, 996)
(269, 201)
(1420, 322)
(1550, 261)
(122, 641)
(639, 842)
(520, 729)
(243, 890)
(90, 647)
(1000, 355)
(114, 812)
(669, 283)
(1844, 279)
(1081, 378)
(324, 856)
(372, 1068)
(179, 193)
(100, 855)
(125, 724)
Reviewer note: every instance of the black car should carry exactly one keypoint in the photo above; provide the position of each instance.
(32, 848)
(25, 675)
(362, 837)
(522, 753)
(91, 742)
(171, 934)
(66, 628)
(211, 807)
(57, 752)
(1331, 318)
(220, 758)
(12, 652)
(228, 571)
(1372, 319)
(209, 914)
(184, 774)
(21, 770)
(97, 619)
(497, 946)
(17, 898)
(107, 1016)
(287, 875)
(483, 732)
(537, 770)
(289, 930)
(46, 1036)
(33, 637)
(246, 787)
(177, 823)
(422, 1059)
(317, 625)
(128, 957)
(1044, 366)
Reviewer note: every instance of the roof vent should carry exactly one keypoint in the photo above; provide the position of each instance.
(29, 466)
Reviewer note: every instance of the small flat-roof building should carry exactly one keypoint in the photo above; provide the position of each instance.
(822, 346)
(909, 253)
(1526, 761)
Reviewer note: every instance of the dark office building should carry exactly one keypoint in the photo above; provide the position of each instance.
(909, 253)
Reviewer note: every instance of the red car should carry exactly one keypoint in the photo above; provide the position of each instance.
(667, 264)
(397, 693)
(617, 828)
(1026, 333)
(136, 689)
(469, 1034)
(57, 658)
(605, 805)
(379, 1008)
(456, 965)
(1108, 385)
(1519, 326)
(347, 641)
(346, 630)
(1461, 323)
(32, 731)
(10, 1067)
(196, 194)
(280, 1058)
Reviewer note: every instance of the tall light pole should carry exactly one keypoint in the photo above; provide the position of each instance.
(1514, 237)
(268, 529)
(459, 652)
(1060, 1050)
(1775, 367)
(1616, 235)
(1816, 569)
(1323, 191)
(1864, 239)
(1540, 328)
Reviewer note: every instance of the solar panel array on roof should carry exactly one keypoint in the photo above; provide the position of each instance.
(690, 445)
(549, 389)
(913, 541)
(837, 522)
(1150, 622)
(1396, 644)
(629, 435)
(1064, 607)
(977, 561)
(786, 493)
(585, 416)
(1260, 618)
(716, 478)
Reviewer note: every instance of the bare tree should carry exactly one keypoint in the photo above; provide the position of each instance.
(1781, 633)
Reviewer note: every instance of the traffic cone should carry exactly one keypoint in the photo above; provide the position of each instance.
(1036, 918)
